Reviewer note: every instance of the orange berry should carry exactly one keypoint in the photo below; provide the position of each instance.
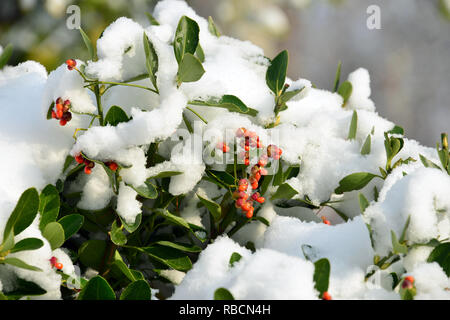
(257, 176)
(410, 278)
(249, 213)
(58, 266)
(62, 122)
(59, 114)
(71, 63)
(247, 161)
(246, 206)
(79, 158)
(326, 296)
(87, 170)
(242, 188)
(53, 114)
(113, 166)
(255, 185)
(261, 199)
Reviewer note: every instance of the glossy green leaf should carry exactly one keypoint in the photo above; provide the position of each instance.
(19, 264)
(397, 130)
(337, 77)
(88, 44)
(27, 244)
(97, 289)
(230, 102)
(117, 235)
(151, 60)
(147, 190)
(6, 55)
(138, 290)
(115, 116)
(24, 288)
(123, 268)
(276, 73)
(54, 233)
(23, 214)
(441, 255)
(152, 19)
(223, 294)
(186, 38)
(354, 181)
(212, 27)
(363, 202)
(71, 224)
(132, 227)
(284, 191)
(428, 163)
(213, 207)
(321, 275)
(235, 257)
(180, 246)
(345, 91)
(190, 69)
(49, 204)
(176, 220)
(165, 174)
(353, 126)
(91, 253)
(397, 247)
(365, 150)
(200, 54)
(168, 256)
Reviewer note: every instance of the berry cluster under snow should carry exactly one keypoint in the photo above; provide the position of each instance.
(315, 131)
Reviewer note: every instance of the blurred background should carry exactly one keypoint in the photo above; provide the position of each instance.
(408, 57)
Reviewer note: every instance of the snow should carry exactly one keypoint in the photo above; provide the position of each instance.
(313, 134)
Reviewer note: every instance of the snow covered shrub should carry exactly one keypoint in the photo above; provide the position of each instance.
(180, 163)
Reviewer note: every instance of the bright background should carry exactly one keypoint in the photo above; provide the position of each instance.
(408, 59)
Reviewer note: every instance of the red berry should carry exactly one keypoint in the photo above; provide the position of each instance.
(87, 170)
(113, 166)
(242, 188)
(59, 114)
(71, 63)
(67, 116)
(257, 176)
(239, 202)
(255, 169)
(243, 195)
(247, 148)
(53, 261)
(58, 266)
(325, 220)
(326, 296)
(261, 199)
(407, 283)
(246, 206)
(59, 101)
(255, 185)
(79, 158)
(249, 213)
(53, 114)
(62, 122)
(243, 182)
(410, 278)
(247, 161)
(255, 196)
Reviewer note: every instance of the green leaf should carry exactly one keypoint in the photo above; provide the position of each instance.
(138, 290)
(213, 207)
(397, 247)
(345, 91)
(91, 253)
(278, 178)
(6, 55)
(165, 174)
(19, 264)
(168, 256)
(230, 102)
(23, 214)
(71, 224)
(24, 288)
(54, 233)
(397, 130)
(27, 244)
(354, 181)
(284, 191)
(122, 267)
(186, 38)
(321, 275)
(223, 294)
(190, 69)
(262, 220)
(8, 243)
(117, 235)
(88, 44)
(212, 27)
(353, 126)
(363, 202)
(173, 218)
(441, 255)
(151, 60)
(276, 73)
(147, 190)
(132, 227)
(115, 116)
(180, 246)
(152, 19)
(97, 289)
(365, 150)
(49, 205)
(337, 77)
(288, 95)
(428, 163)
(200, 54)
(235, 257)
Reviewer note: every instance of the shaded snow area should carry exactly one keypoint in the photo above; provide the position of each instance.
(312, 132)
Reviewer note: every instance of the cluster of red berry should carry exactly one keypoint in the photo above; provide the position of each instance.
(326, 296)
(71, 64)
(54, 262)
(61, 111)
(90, 164)
(241, 196)
(408, 282)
